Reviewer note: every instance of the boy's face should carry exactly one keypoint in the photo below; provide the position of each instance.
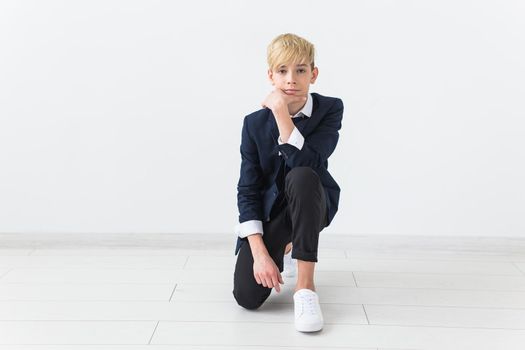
(293, 79)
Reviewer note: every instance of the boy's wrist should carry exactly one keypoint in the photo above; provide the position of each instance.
(281, 111)
(282, 117)
(257, 246)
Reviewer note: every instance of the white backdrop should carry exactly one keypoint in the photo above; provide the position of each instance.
(125, 116)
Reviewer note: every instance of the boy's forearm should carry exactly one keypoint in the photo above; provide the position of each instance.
(284, 123)
(257, 246)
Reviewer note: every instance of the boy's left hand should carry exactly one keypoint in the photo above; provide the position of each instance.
(278, 99)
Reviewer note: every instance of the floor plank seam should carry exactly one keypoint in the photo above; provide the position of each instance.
(518, 267)
(152, 334)
(355, 281)
(366, 315)
(172, 292)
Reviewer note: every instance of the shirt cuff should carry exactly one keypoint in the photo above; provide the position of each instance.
(296, 139)
(248, 228)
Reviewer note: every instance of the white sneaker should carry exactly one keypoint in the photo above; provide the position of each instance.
(308, 315)
(289, 265)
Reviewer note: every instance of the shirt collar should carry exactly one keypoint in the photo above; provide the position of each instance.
(307, 109)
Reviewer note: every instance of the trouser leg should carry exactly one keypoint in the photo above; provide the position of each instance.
(248, 293)
(307, 211)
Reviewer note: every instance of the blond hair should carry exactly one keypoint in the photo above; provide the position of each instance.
(290, 48)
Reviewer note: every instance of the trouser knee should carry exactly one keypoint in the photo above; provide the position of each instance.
(247, 300)
(302, 177)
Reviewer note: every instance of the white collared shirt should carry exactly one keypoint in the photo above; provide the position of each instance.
(296, 139)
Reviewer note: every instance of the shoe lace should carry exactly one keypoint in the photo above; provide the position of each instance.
(308, 304)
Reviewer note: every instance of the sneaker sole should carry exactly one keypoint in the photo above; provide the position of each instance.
(309, 328)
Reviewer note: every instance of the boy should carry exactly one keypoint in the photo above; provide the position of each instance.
(285, 193)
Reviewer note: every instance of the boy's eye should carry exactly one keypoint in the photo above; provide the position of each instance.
(300, 70)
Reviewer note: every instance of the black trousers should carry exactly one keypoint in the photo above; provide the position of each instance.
(299, 220)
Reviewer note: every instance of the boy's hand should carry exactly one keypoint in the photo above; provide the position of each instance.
(278, 99)
(267, 273)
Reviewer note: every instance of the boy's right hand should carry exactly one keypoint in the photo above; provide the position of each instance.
(280, 99)
(267, 273)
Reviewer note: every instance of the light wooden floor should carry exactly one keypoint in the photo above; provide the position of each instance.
(141, 291)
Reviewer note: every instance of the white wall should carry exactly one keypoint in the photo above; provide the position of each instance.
(125, 116)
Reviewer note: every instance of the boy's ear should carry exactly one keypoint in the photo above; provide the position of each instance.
(270, 76)
(315, 73)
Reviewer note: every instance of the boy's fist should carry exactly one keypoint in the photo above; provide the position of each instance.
(278, 99)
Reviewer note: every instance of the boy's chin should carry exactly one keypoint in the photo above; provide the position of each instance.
(293, 92)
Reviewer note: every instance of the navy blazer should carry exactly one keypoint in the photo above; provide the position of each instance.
(260, 159)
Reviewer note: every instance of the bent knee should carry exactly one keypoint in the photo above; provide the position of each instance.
(248, 300)
(302, 174)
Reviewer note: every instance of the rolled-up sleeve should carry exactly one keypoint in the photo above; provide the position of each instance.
(296, 139)
(248, 228)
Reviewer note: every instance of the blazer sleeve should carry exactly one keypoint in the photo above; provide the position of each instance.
(318, 145)
(250, 182)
